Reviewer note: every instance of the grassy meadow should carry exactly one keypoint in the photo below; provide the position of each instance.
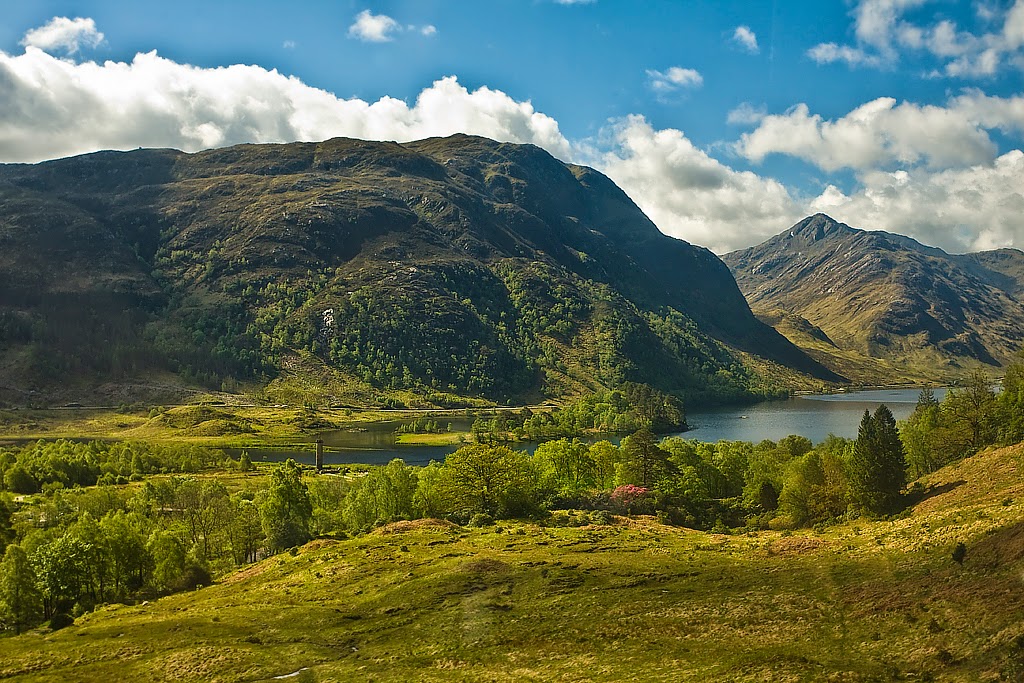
(217, 426)
(634, 600)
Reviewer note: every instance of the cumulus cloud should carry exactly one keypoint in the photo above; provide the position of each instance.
(882, 133)
(882, 32)
(746, 39)
(964, 209)
(961, 197)
(380, 28)
(53, 107)
(63, 34)
(674, 78)
(373, 28)
(689, 194)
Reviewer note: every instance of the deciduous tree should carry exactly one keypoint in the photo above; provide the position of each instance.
(286, 509)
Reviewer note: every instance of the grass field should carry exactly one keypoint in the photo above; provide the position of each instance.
(211, 425)
(429, 601)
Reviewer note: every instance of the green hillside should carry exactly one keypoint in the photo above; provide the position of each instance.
(429, 601)
(356, 272)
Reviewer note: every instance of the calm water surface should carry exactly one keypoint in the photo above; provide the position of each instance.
(812, 416)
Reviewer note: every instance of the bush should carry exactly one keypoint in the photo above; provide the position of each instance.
(601, 517)
(481, 519)
(194, 577)
(560, 518)
(61, 620)
(959, 553)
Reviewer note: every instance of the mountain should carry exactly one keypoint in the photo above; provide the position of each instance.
(361, 272)
(881, 307)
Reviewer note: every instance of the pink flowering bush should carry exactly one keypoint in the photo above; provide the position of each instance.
(628, 498)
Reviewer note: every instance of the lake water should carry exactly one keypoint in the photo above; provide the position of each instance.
(814, 416)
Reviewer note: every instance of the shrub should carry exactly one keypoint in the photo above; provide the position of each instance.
(600, 517)
(61, 620)
(959, 553)
(629, 498)
(481, 519)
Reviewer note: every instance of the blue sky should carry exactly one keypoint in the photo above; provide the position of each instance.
(725, 121)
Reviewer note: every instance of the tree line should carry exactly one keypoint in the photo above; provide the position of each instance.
(73, 548)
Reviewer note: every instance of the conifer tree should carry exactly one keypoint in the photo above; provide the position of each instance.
(878, 466)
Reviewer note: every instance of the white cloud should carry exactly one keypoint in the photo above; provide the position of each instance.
(288, 45)
(875, 21)
(53, 107)
(966, 209)
(882, 133)
(380, 28)
(829, 53)
(882, 31)
(373, 28)
(746, 39)
(63, 34)
(674, 78)
(687, 193)
(574, 2)
(746, 114)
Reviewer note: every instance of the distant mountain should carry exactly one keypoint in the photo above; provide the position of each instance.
(878, 306)
(359, 272)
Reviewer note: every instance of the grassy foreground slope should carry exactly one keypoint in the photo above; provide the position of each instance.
(634, 601)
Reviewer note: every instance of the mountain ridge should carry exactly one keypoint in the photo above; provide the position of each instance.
(501, 272)
(887, 297)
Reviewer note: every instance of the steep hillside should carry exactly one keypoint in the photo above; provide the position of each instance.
(430, 601)
(873, 305)
(358, 272)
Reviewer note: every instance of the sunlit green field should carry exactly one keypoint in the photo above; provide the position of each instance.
(631, 601)
(211, 425)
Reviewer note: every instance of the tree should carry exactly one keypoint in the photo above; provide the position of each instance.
(7, 533)
(878, 464)
(972, 411)
(169, 557)
(245, 532)
(204, 507)
(130, 562)
(384, 495)
(606, 456)
(643, 462)
(1011, 403)
(286, 509)
(428, 500)
(565, 467)
(20, 602)
(20, 480)
(920, 435)
(492, 479)
(62, 572)
(815, 487)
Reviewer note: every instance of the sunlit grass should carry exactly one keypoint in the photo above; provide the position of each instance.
(426, 601)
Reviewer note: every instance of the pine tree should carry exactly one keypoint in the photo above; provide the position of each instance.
(878, 466)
